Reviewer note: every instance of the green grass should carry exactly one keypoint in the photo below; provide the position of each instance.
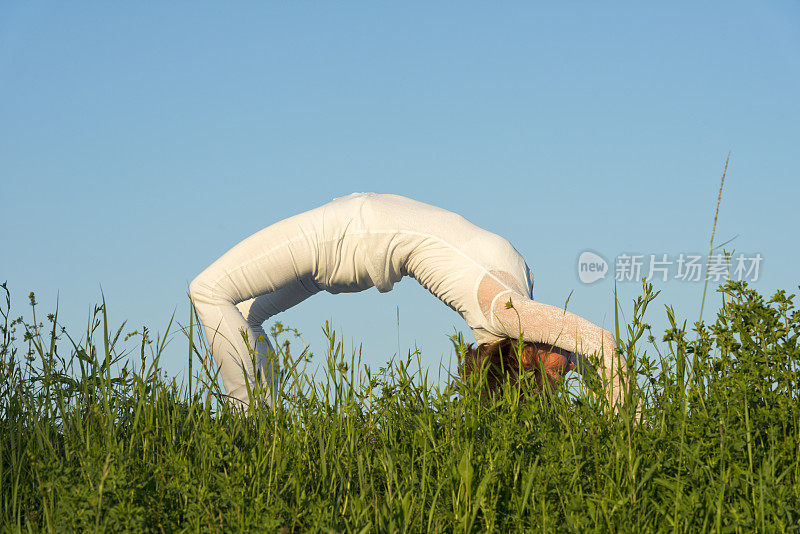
(96, 437)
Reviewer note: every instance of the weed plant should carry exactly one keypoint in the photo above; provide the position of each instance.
(94, 436)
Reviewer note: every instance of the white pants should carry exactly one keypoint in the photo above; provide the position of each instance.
(235, 295)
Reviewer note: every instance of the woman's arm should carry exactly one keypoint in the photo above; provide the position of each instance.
(543, 323)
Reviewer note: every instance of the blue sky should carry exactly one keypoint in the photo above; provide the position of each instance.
(138, 142)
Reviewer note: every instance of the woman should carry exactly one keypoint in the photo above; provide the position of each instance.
(365, 240)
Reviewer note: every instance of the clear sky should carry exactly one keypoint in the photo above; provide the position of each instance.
(139, 141)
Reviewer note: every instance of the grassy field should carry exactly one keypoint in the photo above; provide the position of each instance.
(96, 437)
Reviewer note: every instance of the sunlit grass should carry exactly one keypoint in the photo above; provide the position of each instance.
(96, 437)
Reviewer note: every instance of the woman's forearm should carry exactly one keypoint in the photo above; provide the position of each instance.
(542, 323)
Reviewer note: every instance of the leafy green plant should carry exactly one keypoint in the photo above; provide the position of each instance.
(96, 437)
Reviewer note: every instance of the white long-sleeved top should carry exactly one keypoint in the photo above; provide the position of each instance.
(363, 240)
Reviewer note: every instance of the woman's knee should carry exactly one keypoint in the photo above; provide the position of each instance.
(205, 291)
(199, 290)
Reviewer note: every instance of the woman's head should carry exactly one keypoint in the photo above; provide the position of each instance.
(503, 358)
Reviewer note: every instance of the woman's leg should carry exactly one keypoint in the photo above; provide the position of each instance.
(261, 274)
(256, 312)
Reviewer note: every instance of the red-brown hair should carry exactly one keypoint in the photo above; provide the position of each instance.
(502, 359)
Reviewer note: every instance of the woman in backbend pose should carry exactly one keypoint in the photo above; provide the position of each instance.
(365, 240)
